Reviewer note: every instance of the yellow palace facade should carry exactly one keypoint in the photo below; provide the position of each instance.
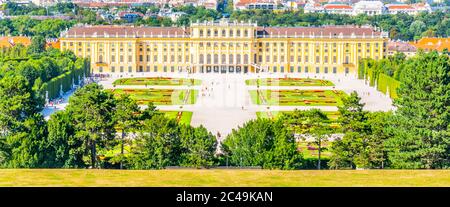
(225, 47)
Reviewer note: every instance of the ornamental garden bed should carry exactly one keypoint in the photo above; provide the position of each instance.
(158, 81)
(158, 96)
(289, 82)
(298, 97)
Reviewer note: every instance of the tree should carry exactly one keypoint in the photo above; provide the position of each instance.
(64, 149)
(310, 124)
(92, 111)
(37, 45)
(157, 145)
(198, 146)
(28, 143)
(421, 123)
(347, 152)
(126, 113)
(264, 143)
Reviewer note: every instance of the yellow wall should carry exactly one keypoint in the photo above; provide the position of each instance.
(123, 55)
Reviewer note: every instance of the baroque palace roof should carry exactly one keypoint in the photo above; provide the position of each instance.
(133, 31)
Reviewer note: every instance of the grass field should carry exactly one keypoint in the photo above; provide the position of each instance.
(333, 115)
(158, 96)
(186, 116)
(289, 82)
(298, 97)
(217, 177)
(158, 81)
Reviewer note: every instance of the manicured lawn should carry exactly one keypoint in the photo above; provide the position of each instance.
(298, 97)
(333, 115)
(158, 96)
(217, 177)
(158, 81)
(186, 116)
(289, 82)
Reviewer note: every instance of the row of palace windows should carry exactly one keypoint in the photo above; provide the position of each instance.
(141, 68)
(223, 33)
(306, 69)
(215, 58)
(281, 69)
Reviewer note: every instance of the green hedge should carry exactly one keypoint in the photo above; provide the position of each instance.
(383, 81)
(72, 75)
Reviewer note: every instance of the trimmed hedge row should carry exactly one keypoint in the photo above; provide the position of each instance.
(383, 81)
(65, 80)
(388, 84)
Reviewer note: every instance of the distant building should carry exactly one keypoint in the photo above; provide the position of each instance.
(255, 4)
(130, 16)
(432, 43)
(400, 46)
(366, 7)
(411, 9)
(369, 7)
(338, 9)
(14, 40)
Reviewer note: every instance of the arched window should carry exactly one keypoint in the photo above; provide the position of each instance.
(223, 59)
(201, 33)
(231, 33)
(201, 59)
(238, 59)
(224, 33)
(230, 59)
(246, 59)
(208, 59)
(216, 59)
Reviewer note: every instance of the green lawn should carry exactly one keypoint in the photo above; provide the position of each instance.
(217, 177)
(289, 82)
(298, 97)
(333, 115)
(186, 116)
(158, 96)
(159, 81)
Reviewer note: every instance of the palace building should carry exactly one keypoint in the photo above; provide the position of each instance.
(225, 47)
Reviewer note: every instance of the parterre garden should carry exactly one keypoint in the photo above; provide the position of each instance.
(157, 81)
(183, 117)
(289, 82)
(297, 97)
(159, 96)
(333, 115)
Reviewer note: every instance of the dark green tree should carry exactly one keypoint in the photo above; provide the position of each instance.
(264, 143)
(421, 123)
(92, 112)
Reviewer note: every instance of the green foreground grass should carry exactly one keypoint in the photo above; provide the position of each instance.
(218, 177)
